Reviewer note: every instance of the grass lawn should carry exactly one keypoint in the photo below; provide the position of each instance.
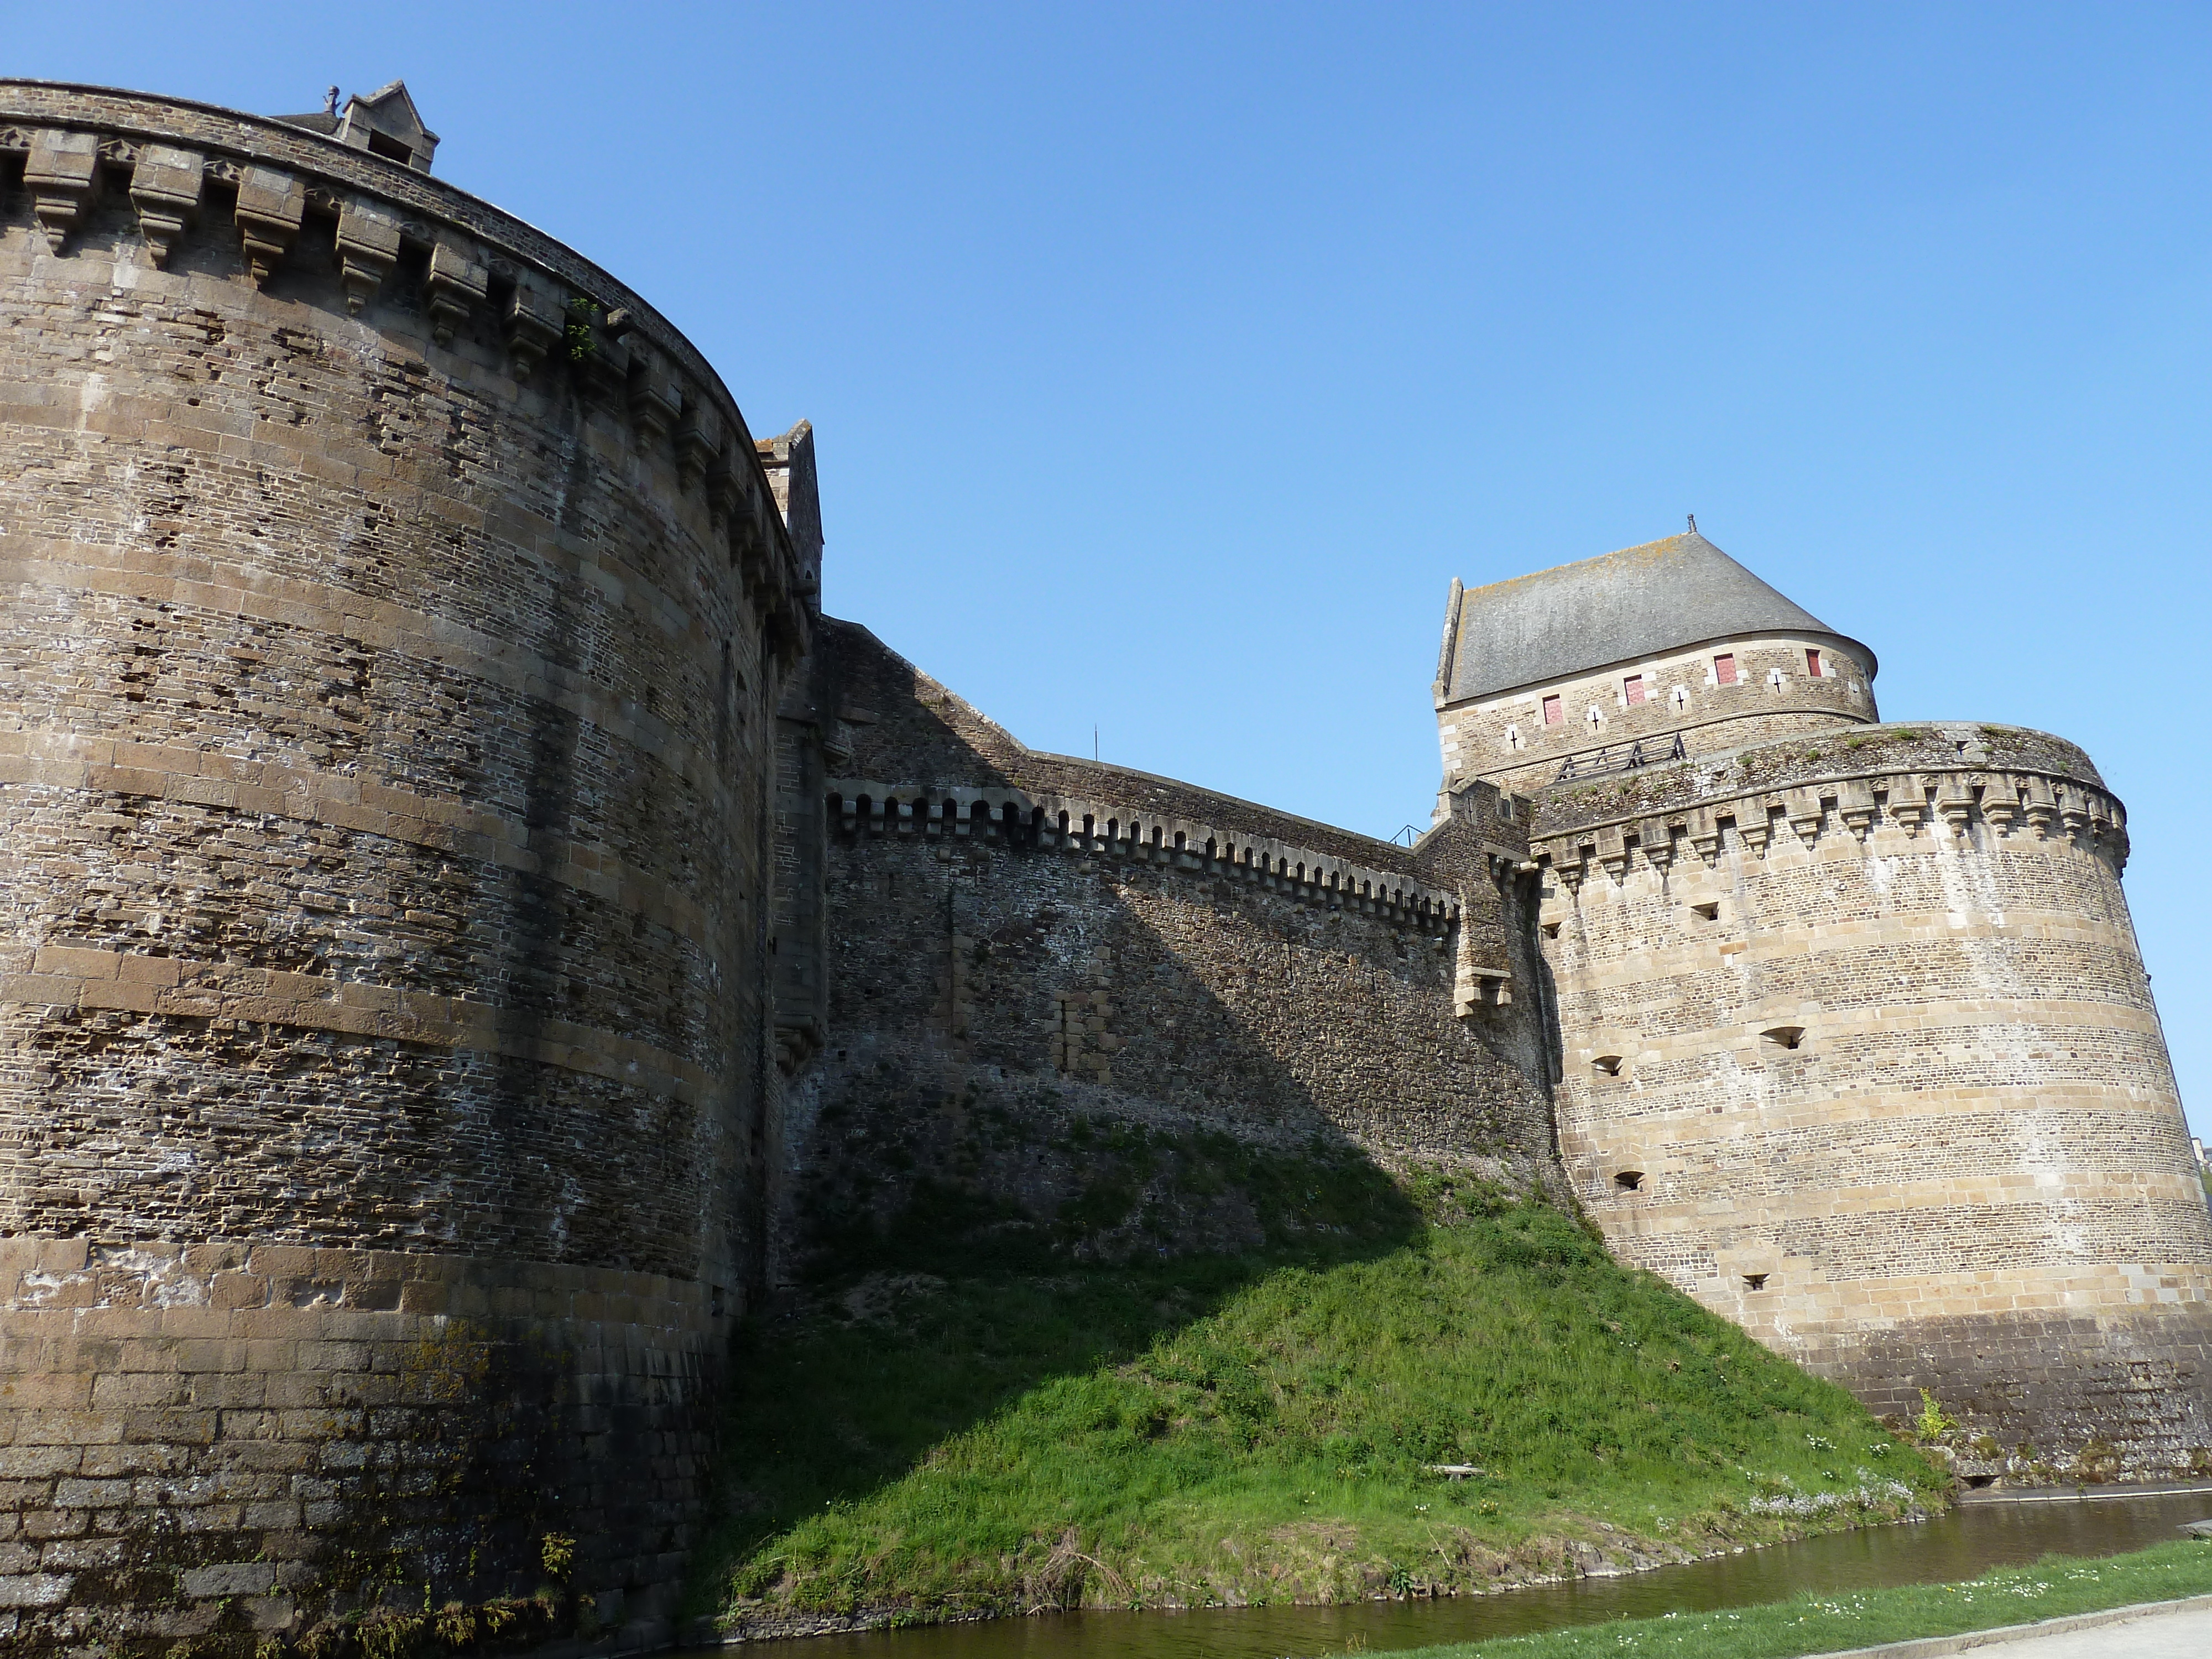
(1238, 1431)
(2053, 1586)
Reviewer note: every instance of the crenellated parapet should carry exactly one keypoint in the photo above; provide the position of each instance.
(1109, 832)
(191, 169)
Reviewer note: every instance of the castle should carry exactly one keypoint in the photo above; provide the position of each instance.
(474, 926)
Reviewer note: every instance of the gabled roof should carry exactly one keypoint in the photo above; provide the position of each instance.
(1640, 602)
(388, 113)
(393, 104)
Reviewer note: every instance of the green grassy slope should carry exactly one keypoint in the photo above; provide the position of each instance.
(1258, 1428)
(2052, 1588)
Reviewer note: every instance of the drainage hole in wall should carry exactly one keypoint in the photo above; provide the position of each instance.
(1629, 1180)
(1707, 912)
(1783, 1037)
(1608, 1064)
(1754, 1282)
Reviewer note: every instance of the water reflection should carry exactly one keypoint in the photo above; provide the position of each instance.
(1957, 1545)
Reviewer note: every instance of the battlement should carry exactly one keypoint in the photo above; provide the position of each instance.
(271, 186)
(1086, 828)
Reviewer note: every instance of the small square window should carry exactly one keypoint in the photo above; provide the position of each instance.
(1633, 687)
(1813, 663)
(1724, 669)
(1553, 713)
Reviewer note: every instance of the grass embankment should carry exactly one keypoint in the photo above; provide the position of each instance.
(2053, 1587)
(1259, 1428)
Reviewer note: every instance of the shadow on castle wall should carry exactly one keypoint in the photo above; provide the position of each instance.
(1069, 1104)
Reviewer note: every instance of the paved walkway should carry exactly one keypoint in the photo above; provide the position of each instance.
(2185, 1634)
(2161, 1635)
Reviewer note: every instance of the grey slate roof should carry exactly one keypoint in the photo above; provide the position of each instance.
(1639, 602)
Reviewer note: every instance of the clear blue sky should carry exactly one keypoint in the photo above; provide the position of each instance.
(1168, 361)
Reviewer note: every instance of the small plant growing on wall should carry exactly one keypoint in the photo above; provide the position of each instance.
(559, 1554)
(1932, 1423)
(576, 332)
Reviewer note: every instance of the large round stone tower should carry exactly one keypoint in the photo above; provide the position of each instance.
(1853, 1041)
(396, 612)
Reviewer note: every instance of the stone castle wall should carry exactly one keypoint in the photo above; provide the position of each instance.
(397, 610)
(1023, 941)
(1858, 1050)
(1504, 741)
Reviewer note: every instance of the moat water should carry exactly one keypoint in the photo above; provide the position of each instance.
(1969, 1539)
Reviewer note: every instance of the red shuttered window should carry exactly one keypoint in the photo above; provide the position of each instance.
(1724, 669)
(1553, 713)
(1634, 685)
(1813, 663)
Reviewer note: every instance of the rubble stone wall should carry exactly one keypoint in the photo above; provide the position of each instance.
(1141, 951)
(395, 610)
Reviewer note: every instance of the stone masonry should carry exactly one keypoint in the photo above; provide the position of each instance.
(1031, 939)
(472, 926)
(396, 612)
(1854, 1043)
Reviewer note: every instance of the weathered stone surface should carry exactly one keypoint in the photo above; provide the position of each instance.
(384, 1035)
(1023, 946)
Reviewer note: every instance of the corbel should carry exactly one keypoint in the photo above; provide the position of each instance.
(2041, 811)
(165, 188)
(535, 323)
(270, 204)
(1705, 839)
(1575, 870)
(1956, 803)
(369, 246)
(1855, 806)
(721, 484)
(698, 441)
(63, 175)
(1805, 815)
(1908, 805)
(1614, 851)
(1657, 839)
(2001, 805)
(1754, 829)
(455, 284)
(656, 396)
